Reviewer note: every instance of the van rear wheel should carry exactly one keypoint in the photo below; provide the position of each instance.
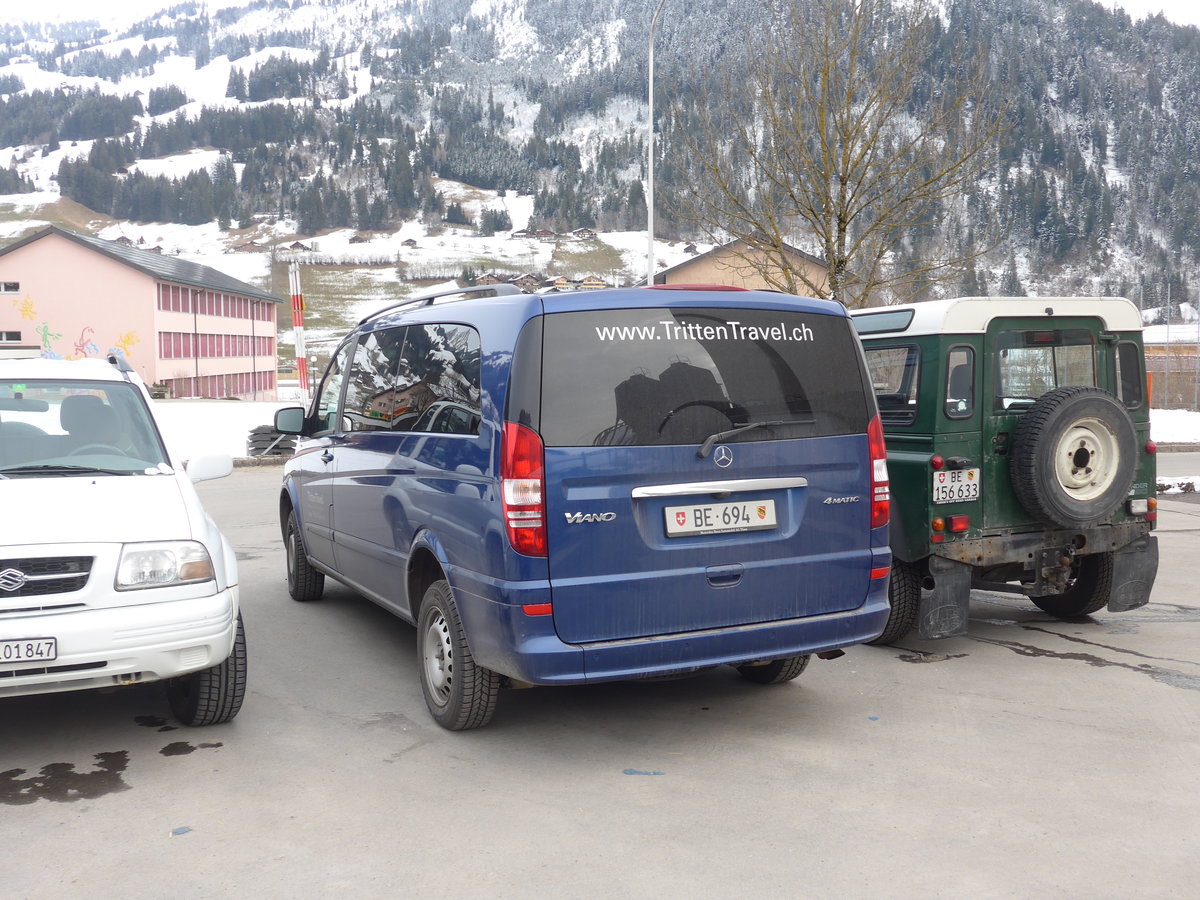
(904, 595)
(777, 671)
(459, 693)
(1088, 594)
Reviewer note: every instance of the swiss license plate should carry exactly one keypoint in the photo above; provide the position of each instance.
(720, 518)
(956, 486)
(29, 650)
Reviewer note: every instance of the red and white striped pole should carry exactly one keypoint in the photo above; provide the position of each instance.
(298, 328)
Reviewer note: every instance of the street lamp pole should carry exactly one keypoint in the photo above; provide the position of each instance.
(650, 152)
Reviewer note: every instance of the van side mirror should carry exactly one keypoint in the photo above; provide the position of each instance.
(290, 420)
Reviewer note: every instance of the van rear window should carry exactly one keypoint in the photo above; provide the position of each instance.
(673, 376)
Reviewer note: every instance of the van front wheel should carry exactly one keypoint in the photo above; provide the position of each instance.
(459, 693)
(304, 582)
(777, 671)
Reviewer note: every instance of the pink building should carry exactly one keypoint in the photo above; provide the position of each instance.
(198, 331)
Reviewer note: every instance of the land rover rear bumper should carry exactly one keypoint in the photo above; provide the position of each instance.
(1045, 560)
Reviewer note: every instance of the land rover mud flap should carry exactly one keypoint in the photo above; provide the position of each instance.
(1134, 568)
(943, 611)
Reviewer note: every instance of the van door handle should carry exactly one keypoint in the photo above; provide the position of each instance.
(723, 576)
(327, 456)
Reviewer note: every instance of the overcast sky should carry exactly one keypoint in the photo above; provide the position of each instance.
(1185, 12)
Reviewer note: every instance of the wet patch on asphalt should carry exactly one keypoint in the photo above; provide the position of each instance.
(155, 722)
(62, 783)
(183, 748)
(1160, 674)
(920, 656)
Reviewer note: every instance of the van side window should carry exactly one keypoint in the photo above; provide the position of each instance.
(960, 383)
(370, 403)
(437, 385)
(325, 404)
(1130, 379)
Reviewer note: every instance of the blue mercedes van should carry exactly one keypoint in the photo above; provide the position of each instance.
(581, 487)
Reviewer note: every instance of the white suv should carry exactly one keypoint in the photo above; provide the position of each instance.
(111, 572)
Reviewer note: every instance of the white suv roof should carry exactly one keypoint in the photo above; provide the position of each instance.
(87, 369)
(972, 315)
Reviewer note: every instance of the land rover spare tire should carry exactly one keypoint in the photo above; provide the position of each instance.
(1073, 457)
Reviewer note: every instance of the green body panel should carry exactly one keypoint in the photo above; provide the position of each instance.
(984, 439)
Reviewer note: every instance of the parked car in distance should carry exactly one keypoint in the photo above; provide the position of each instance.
(582, 487)
(111, 573)
(1018, 440)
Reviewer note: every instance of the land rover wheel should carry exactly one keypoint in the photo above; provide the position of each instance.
(304, 582)
(1088, 593)
(214, 695)
(777, 671)
(904, 595)
(1073, 457)
(459, 693)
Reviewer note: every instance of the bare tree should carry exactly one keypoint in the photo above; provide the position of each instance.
(838, 140)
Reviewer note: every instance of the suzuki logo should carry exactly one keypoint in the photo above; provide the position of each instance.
(11, 579)
(723, 457)
(579, 518)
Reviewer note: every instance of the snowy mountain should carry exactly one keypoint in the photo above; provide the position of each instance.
(358, 125)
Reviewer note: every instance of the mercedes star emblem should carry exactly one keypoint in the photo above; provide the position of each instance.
(723, 457)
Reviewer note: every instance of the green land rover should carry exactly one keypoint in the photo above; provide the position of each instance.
(1018, 445)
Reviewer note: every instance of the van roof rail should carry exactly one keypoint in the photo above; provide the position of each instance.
(487, 290)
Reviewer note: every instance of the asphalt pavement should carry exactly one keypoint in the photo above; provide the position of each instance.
(1031, 758)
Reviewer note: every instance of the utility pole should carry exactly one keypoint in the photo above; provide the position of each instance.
(650, 150)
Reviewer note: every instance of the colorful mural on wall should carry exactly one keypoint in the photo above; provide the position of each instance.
(85, 346)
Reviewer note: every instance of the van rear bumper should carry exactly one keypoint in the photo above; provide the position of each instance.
(527, 648)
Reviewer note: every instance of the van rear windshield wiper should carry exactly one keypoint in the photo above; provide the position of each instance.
(706, 447)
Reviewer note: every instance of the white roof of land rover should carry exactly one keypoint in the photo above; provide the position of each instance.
(971, 315)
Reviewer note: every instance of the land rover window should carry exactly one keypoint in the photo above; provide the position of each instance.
(371, 386)
(960, 383)
(884, 321)
(1130, 380)
(894, 375)
(1030, 363)
(438, 371)
(663, 376)
(325, 405)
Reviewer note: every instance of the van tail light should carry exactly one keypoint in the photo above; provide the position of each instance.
(523, 489)
(880, 492)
